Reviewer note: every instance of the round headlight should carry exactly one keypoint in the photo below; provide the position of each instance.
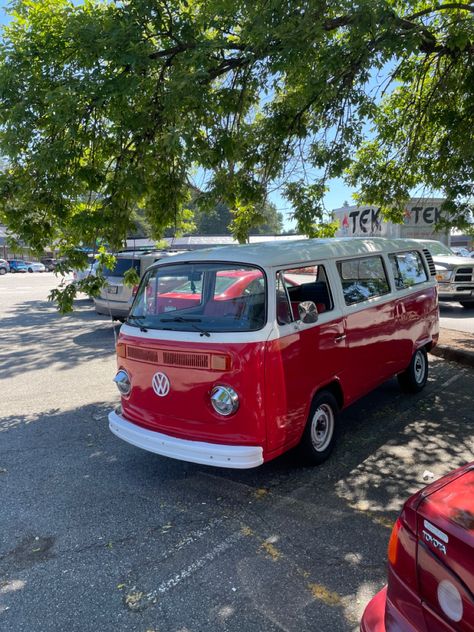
(450, 600)
(123, 382)
(224, 400)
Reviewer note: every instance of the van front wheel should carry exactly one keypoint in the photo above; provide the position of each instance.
(320, 433)
(414, 378)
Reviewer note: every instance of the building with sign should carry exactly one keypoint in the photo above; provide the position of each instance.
(420, 217)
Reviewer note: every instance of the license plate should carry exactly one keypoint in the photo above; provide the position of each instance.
(112, 289)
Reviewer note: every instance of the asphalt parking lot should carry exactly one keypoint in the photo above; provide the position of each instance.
(96, 535)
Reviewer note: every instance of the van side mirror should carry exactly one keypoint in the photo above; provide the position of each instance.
(308, 312)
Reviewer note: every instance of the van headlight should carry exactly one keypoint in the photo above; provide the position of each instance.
(224, 400)
(122, 380)
(443, 275)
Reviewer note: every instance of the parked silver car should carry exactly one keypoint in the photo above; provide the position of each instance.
(4, 266)
(115, 297)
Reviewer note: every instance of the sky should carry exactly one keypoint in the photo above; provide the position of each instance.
(338, 193)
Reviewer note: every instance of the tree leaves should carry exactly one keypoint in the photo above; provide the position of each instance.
(106, 108)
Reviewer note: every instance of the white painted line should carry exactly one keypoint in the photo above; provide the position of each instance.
(192, 568)
(165, 586)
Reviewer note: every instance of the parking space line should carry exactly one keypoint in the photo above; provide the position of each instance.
(139, 601)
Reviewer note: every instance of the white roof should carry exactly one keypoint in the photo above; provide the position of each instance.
(273, 253)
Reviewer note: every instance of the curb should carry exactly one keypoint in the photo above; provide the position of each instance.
(455, 346)
(462, 356)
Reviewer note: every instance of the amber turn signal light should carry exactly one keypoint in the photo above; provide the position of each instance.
(220, 362)
(121, 350)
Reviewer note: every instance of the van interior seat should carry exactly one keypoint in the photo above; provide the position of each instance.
(232, 307)
(316, 292)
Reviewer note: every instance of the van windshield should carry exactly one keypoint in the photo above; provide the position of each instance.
(205, 297)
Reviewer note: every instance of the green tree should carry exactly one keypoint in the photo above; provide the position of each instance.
(218, 221)
(107, 107)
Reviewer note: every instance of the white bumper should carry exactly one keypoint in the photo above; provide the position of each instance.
(234, 456)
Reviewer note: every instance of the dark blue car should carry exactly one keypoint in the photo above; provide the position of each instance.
(16, 265)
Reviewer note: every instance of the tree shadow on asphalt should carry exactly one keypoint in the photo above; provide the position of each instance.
(315, 538)
(36, 336)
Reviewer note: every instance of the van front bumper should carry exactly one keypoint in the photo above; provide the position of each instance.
(216, 454)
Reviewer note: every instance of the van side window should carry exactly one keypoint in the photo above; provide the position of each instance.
(307, 283)
(408, 269)
(362, 279)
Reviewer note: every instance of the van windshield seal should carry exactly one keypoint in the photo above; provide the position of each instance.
(201, 296)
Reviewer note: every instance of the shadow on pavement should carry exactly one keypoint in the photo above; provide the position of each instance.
(304, 548)
(36, 336)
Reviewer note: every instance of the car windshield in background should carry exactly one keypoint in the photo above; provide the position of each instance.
(121, 266)
(439, 249)
(205, 297)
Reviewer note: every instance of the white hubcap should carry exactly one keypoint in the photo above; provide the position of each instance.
(322, 427)
(420, 367)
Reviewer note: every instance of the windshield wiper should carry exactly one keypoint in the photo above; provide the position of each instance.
(142, 328)
(181, 319)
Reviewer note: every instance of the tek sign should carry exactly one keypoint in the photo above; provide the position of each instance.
(367, 220)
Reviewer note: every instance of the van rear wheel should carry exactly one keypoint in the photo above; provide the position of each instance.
(319, 435)
(414, 378)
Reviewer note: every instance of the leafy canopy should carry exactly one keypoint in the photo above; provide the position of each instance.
(110, 107)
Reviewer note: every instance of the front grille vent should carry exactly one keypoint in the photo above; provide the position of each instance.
(430, 261)
(145, 355)
(170, 358)
(195, 360)
(464, 274)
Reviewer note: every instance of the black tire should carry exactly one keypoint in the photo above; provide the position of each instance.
(30, 270)
(3, 270)
(467, 304)
(319, 435)
(414, 378)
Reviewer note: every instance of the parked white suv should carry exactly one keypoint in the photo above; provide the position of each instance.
(115, 297)
(455, 274)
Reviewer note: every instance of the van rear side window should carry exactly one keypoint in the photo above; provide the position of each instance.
(408, 269)
(363, 278)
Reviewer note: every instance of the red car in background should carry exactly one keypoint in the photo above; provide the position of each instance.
(430, 562)
(230, 284)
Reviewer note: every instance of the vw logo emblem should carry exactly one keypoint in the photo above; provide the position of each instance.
(160, 384)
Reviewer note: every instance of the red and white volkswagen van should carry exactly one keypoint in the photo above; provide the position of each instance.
(231, 356)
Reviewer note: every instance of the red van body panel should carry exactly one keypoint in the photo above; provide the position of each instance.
(297, 366)
(186, 411)
(417, 315)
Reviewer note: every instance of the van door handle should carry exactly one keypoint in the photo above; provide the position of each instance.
(340, 338)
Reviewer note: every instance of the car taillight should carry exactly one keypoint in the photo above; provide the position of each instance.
(393, 543)
(134, 290)
(402, 551)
